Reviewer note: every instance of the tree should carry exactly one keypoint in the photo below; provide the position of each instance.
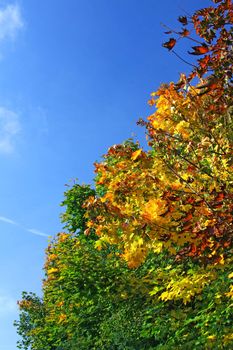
(178, 195)
(151, 246)
(87, 293)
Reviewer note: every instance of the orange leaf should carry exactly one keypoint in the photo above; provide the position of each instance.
(170, 44)
(151, 102)
(188, 217)
(199, 50)
(185, 32)
(190, 200)
(220, 197)
(204, 61)
(183, 20)
(136, 154)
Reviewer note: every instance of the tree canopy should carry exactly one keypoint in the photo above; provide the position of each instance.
(146, 259)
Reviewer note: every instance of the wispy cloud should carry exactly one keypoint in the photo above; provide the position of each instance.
(37, 232)
(7, 304)
(9, 129)
(31, 230)
(11, 21)
(9, 221)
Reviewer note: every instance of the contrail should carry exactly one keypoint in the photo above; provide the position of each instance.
(37, 232)
(31, 230)
(9, 221)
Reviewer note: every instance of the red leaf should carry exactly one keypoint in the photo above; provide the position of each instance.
(170, 44)
(185, 32)
(193, 249)
(183, 20)
(204, 61)
(186, 227)
(151, 102)
(187, 218)
(199, 50)
(217, 205)
(190, 200)
(220, 197)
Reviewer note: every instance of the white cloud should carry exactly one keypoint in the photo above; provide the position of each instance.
(7, 304)
(31, 230)
(37, 232)
(8, 221)
(10, 21)
(9, 129)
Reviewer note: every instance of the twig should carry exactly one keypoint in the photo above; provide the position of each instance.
(177, 33)
(190, 64)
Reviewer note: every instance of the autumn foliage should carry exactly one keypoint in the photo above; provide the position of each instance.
(154, 239)
(178, 195)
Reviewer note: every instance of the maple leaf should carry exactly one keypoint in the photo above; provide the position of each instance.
(204, 61)
(185, 32)
(187, 217)
(62, 318)
(220, 197)
(151, 102)
(170, 44)
(183, 20)
(52, 270)
(136, 154)
(199, 50)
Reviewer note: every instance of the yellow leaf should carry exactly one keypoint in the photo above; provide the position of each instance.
(62, 318)
(230, 293)
(140, 242)
(212, 337)
(98, 245)
(61, 303)
(52, 270)
(136, 154)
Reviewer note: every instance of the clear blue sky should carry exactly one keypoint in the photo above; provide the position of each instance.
(75, 76)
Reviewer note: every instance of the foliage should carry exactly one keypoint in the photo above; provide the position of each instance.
(84, 291)
(92, 301)
(177, 196)
(74, 215)
(213, 43)
(147, 260)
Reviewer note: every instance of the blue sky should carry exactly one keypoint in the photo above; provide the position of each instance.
(75, 76)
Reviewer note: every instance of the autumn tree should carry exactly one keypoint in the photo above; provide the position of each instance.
(178, 195)
(151, 246)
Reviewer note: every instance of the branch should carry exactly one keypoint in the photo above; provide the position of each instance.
(188, 185)
(190, 64)
(178, 33)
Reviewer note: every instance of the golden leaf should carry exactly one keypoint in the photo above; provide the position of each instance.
(136, 154)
